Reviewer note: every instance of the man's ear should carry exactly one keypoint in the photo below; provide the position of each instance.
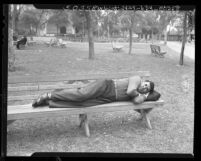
(133, 83)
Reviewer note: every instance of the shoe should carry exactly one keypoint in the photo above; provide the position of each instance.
(41, 100)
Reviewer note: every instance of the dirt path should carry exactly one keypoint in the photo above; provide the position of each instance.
(189, 49)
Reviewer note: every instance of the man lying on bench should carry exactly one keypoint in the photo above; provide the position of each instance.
(100, 92)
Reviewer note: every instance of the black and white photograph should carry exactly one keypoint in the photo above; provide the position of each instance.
(116, 79)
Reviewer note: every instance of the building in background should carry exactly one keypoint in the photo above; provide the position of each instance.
(60, 29)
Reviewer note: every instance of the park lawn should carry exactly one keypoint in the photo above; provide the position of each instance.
(173, 124)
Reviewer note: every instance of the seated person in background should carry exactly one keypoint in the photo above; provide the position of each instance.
(99, 92)
(15, 37)
(22, 41)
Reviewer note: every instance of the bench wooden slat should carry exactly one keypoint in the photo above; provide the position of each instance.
(23, 97)
(24, 88)
(42, 87)
(53, 78)
(27, 111)
(47, 86)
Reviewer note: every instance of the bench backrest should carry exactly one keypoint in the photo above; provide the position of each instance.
(155, 49)
(25, 91)
(116, 45)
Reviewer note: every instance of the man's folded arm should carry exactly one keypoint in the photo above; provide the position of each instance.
(153, 96)
(133, 83)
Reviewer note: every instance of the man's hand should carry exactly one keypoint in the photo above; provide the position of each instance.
(139, 99)
(134, 93)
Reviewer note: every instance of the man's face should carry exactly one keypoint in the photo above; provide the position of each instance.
(144, 87)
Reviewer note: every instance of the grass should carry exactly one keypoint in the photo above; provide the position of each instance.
(120, 132)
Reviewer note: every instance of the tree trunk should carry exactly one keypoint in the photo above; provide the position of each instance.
(30, 29)
(146, 37)
(15, 19)
(83, 28)
(36, 29)
(131, 34)
(183, 40)
(57, 29)
(160, 37)
(98, 32)
(11, 51)
(130, 40)
(165, 36)
(90, 34)
(108, 30)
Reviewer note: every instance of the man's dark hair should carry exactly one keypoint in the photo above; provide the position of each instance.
(151, 85)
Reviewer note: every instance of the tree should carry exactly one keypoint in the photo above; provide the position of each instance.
(34, 18)
(59, 17)
(79, 21)
(31, 19)
(184, 38)
(17, 11)
(150, 23)
(164, 18)
(11, 51)
(130, 19)
(88, 15)
(97, 19)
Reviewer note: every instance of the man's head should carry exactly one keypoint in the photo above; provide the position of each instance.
(145, 87)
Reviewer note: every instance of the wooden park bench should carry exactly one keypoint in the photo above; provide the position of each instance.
(31, 42)
(116, 47)
(62, 43)
(31, 90)
(56, 43)
(156, 51)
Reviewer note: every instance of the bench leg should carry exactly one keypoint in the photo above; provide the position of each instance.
(10, 122)
(140, 115)
(84, 121)
(86, 127)
(81, 118)
(145, 111)
(146, 118)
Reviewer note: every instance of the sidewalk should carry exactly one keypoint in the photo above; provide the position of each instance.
(189, 49)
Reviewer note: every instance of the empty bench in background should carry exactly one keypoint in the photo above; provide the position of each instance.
(116, 47)
(28, 91)
(156, 51)
(31, 42)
